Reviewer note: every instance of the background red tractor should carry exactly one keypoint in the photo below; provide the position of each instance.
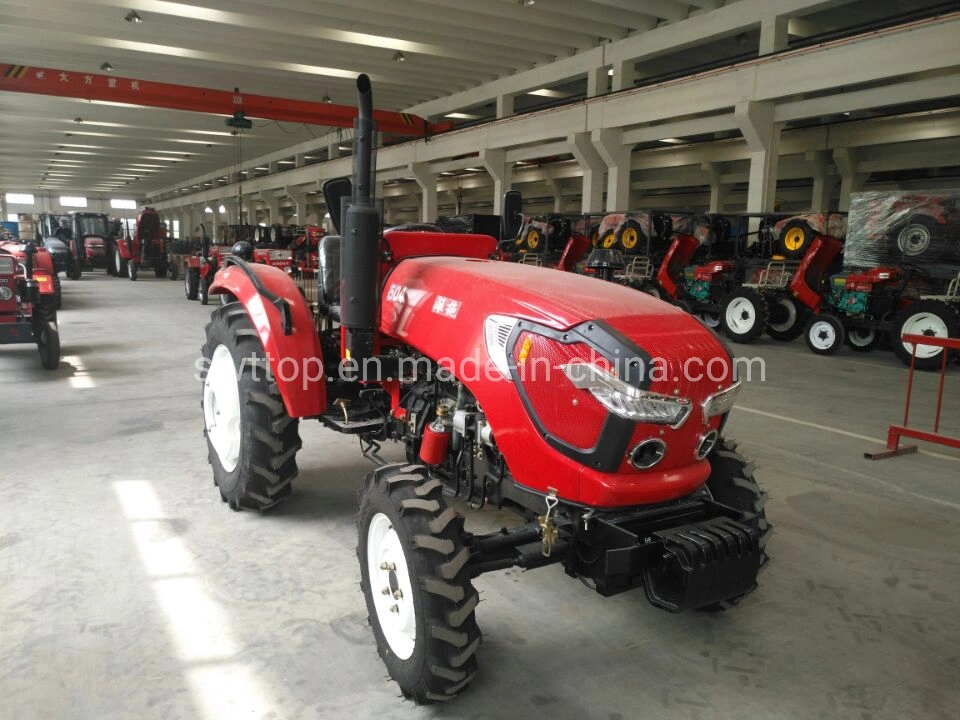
(28, 306)
(510, 386)
(89, 242)
(146, 248)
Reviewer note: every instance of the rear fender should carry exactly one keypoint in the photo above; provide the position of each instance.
(123, 245)
(807, 280)
(678, 256)
(283, 321)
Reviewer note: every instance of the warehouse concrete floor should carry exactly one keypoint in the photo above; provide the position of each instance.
(130, 591)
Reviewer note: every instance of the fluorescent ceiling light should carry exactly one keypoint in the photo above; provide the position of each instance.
(208, 210)
(672, 141)
(546, 92)
(462, 116)
(223, 210)
(261, 168)
(287, 162)
(474, 169)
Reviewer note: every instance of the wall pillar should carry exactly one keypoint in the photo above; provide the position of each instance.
(763, 142)
(773, 34)
(495, 163)
(593, 168)
(617, 156)
(428, 191)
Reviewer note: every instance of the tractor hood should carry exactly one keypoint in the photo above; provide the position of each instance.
(470, 287)
(55, 245)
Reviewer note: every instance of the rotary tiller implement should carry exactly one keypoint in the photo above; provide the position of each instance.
(508, 386)
(28, 304)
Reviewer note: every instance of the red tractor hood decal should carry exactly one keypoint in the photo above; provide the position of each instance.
(557, 299)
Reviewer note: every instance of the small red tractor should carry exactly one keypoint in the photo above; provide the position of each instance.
(592, 411)
(146, 248)
(555, 241)
(28, 306)
(305, 247)
(89, 242)
(199, 269)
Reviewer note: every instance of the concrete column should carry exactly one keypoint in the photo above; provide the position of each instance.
(300, 205)
(773, 34)
(495, 163)
(851, 180)
(273, 209)
(428, 191)
(617, 156)
(505, 105)
(822, 181)
(763, 141)
(556, 188)
(333, 151)
(593, 169)
(272, 167)
(300, 159)
(718, 192)
(624, 73)
(598, 82)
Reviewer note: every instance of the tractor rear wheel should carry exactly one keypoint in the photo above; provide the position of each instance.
(159, 270)
(745, 314)
(825, 334)
(171, 270)
(650, 287)
(191, 282)
(415, 576)
(58, 290)
(918, 236)
(73, 271)
(795, 238)
(926, 317)
(787, 318)
(252, 443)
(48, 342)
(631, 239)
(204, 290)
(709, 318)
(731, 482)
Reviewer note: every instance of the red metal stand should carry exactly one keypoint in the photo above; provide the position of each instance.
(897, 431)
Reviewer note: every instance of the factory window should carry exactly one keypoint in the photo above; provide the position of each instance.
(118, 204)
(20, 198)
(67, 201)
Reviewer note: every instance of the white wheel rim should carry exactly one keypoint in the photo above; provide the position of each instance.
(791, 320)
(823, 335)
(861, 337)
(925, 323)
(741, 315)
(914, 239)
(711, 320)
(390, 586)
(221, 408)
(117, 260)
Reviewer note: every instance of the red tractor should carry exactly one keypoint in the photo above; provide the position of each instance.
(547, 393)
(28, 305)
(199, 269)
(44, 261)
(89, 242)
(147, 248)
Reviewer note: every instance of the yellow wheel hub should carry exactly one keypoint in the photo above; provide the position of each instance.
(794, 238)
(533, 240)
(608, 241)
(629, 238)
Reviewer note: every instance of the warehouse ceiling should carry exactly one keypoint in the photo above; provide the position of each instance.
(301, 49)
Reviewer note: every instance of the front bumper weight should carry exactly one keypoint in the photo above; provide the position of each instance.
(702, 564)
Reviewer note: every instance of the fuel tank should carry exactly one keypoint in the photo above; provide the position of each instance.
(507, 330)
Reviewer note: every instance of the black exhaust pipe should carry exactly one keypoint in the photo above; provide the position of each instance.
(360, 254)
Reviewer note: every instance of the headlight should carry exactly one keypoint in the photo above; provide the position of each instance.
(625, 400)
(5, 292)
(6, 266)
(721, 402)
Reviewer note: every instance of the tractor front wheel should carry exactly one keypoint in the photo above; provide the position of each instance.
(787, 319)
(926, 317)
(825, 334)
(745, 314)
(171, 270)
(863, 339)
(191, 282)
(795, 238)
(159, 270)
(132, 270)
(731, 483)
(204, 290)
(252, 443)
(74, 272)
(119, 264)
(415, 575)
(48, 342)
